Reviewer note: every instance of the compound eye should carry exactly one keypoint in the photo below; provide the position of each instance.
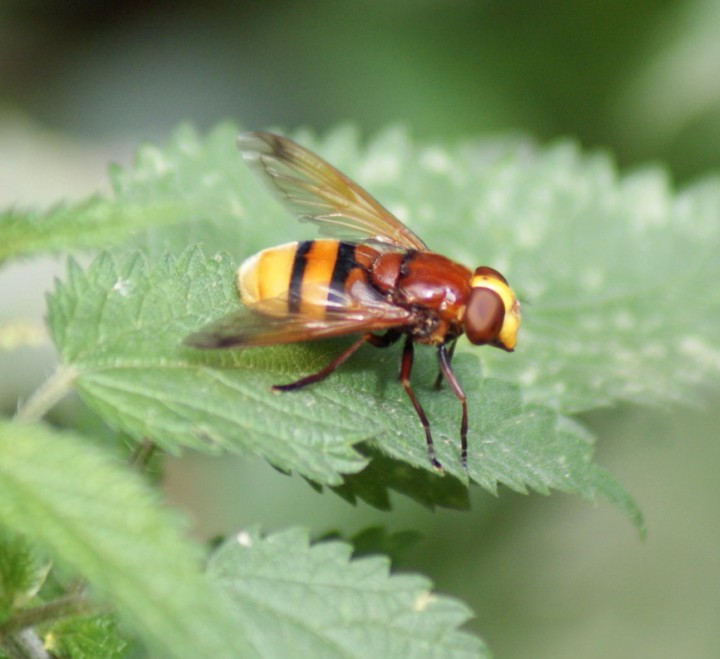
(484, 316)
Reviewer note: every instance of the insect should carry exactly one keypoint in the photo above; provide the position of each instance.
(374, 278)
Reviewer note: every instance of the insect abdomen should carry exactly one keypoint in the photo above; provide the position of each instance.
(311, 275)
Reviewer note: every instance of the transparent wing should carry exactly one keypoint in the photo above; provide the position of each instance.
(313, 189)
(269, 322)
(247, 327)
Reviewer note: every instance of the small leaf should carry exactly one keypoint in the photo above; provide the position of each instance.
(377, 540)
(21, 573)
(100, 519)
(293, 599)
(87, 638)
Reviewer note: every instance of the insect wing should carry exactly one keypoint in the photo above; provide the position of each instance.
(247, 327)
(313, 189)
(268, 322)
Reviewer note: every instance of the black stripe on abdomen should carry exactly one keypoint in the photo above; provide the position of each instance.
(296, 275)
(344, 263)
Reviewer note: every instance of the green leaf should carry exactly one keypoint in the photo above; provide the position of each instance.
(96, 222)
(215, 193)
(149, 204)
(378, 540)
(120, 325)
(21, 573)
(102, 521)
(87, 638)
(293, 599)
(616, 273)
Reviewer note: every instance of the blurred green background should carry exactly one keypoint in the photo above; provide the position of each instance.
(82, 82)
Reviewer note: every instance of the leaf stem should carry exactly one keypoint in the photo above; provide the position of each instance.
(142, 454)
(47, 395)
(62, 607)
(17, 636)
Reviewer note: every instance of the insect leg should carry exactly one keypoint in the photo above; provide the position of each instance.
(383, 340)
(450, 353)
(405, 369)
(373, 339)
(449, 375)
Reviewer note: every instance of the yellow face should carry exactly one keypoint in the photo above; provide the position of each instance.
(488, 279)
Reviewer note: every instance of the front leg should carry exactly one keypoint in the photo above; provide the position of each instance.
(450, 353)
(405, 370)
(447, 372)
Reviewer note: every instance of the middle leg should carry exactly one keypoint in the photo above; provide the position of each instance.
(449, 375)
(405, 369)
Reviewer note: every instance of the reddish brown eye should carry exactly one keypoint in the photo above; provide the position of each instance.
(484, 316)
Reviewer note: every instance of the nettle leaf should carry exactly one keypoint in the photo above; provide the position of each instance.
(215, 191)
(615, 272)
(294, 599)
(22, 573)
(88, 638)
(185, 193)
(120, 325)
(102, 521)
(96, 222)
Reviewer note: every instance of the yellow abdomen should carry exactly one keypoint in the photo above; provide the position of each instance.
(300, 273)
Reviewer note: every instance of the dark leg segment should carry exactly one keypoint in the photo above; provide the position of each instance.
(382, 341)
(449, 375)
(450, 353)
(378, 341)
(405, 369)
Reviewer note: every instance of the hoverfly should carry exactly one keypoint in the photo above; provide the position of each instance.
(376, 278)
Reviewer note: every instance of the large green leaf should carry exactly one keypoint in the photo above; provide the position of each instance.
(615, 271)
(293, 599)
(101, 520)
(120, 324)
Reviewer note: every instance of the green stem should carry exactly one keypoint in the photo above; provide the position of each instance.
(62, 607)
(47, 395)
(17, 636)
